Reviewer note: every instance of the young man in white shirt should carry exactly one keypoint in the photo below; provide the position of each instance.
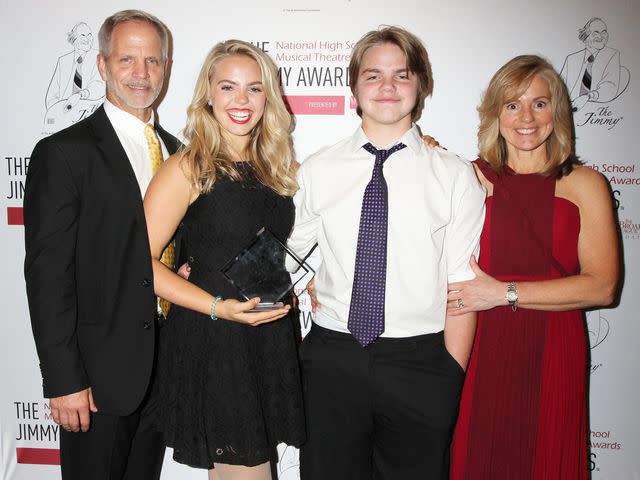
(383, 365)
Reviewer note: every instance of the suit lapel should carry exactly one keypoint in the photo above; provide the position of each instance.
(108, 143)
(169, 140)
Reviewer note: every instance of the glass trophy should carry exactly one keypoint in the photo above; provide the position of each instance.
(260, 270)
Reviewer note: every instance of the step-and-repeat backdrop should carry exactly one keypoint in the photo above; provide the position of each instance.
(311, 40)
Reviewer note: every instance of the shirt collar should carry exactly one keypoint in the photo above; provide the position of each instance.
(125, 121)
(411, 139)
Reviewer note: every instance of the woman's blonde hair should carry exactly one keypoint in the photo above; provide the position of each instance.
(507, 85)
(207, 156)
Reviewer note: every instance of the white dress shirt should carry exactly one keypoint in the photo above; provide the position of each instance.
(436, 212)
(130, 132)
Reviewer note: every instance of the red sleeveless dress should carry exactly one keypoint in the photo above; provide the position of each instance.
(524, 407)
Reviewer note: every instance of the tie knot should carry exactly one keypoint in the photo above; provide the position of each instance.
(591, 58)
(382, 155)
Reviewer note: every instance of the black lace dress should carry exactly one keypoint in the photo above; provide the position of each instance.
(229, 393)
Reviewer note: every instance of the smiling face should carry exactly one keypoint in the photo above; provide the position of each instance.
(527, 122)
(598, 37)
(237, 98)
(134, 70)
(386, 90)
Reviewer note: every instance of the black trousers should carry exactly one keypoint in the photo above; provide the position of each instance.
(117, 447)
(114, 447)
(385, 412)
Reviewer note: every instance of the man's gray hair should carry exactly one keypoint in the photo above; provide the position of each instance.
(104, 35)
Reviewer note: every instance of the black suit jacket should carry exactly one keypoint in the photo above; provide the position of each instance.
(88, 266)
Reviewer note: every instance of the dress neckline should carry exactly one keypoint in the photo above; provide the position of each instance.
(511, 171)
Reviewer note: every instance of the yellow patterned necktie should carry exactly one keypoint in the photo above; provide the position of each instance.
(155, 157)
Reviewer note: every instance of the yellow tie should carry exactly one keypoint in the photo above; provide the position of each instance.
(155, 157)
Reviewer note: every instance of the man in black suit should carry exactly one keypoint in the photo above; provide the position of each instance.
(88, 265)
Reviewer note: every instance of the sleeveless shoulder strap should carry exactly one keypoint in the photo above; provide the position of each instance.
(486, 170)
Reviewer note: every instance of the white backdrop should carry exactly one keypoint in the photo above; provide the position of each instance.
(311, 41)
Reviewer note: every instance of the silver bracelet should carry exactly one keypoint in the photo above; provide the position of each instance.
(213, 307)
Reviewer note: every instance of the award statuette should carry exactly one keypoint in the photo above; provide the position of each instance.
(260, 270)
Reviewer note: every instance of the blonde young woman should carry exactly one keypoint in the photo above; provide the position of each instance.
(549, 249)
(229, 384)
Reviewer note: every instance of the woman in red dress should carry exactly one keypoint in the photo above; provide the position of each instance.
(548, 250)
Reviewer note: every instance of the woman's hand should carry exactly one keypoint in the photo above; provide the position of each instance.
(240, 312)
(482, 293)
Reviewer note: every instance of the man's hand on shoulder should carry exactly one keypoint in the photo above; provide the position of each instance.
(71, 411)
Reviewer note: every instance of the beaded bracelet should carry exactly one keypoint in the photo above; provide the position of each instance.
(213, 307)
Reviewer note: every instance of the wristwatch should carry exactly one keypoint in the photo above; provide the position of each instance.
(512, 295)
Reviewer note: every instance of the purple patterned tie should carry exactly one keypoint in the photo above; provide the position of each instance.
(366, 314)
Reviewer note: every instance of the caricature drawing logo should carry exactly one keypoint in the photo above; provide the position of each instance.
(75, 89)
(598, 328)
(594, 74)
(289, 463)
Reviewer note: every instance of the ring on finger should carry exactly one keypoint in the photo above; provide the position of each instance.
(460, 303)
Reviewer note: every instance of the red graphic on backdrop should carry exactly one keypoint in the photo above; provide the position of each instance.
(15, 216)
(315, 104)
(38, 456)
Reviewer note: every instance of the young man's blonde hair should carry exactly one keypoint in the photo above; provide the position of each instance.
(414, 51)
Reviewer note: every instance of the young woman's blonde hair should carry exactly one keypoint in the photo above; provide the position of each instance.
(507, 85)
(208, 157)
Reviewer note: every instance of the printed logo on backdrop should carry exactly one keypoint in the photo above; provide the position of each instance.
(16, 168)
(621, 176)
(595, 77)
(630, 229)
(314, 73)
(75, 89)
(305, 315)
(288, 463)
(598, 329)
(36, 434)
(602, 442)
(618, 174)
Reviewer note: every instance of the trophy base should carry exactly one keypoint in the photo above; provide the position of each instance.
(266, 307)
